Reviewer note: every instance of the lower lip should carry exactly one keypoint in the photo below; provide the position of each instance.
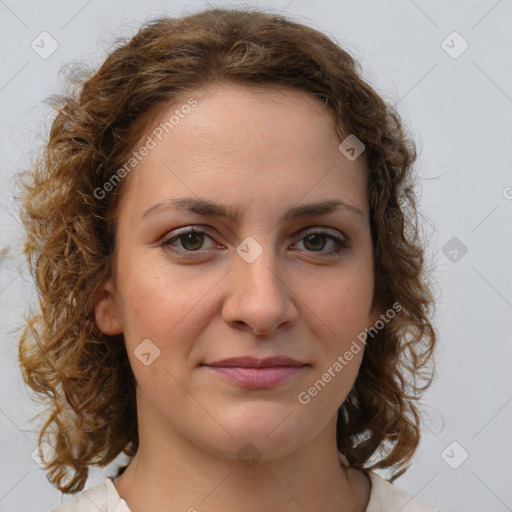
(257, 377)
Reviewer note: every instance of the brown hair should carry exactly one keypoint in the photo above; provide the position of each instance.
(84, 376)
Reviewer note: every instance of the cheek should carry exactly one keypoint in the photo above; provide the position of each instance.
(343, 307)
(156, 296)
(163, 304)
(342, 304)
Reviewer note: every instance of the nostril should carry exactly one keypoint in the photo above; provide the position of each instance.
(241, 323)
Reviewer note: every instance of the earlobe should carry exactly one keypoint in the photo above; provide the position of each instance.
(374, 314)
(108, 319)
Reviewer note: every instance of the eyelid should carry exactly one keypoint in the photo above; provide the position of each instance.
(341, 241)
(197, 228)
(185, 230)
(339, 238)
(321, 229)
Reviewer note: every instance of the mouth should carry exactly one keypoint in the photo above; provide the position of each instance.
(255, 362)
(255, 373)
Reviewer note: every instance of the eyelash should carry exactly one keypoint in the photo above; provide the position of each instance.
(341, 244)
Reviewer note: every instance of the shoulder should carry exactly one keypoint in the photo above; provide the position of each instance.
(102, 498)
(385, 497)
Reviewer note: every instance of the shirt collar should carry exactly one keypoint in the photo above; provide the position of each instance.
(114, 502)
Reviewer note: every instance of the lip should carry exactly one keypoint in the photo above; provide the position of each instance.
(255, 373)
(255, 362)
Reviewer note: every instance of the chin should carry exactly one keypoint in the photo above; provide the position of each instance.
(250, 447)
(268, 430)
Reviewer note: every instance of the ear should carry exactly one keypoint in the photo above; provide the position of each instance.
(373, 316)
(108, 318)
(375, 311)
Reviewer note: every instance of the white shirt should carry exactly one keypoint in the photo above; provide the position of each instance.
(383, 498)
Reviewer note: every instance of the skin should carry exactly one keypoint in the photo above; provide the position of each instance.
(262, 152)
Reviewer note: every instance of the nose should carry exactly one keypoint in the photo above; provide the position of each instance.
(258, 298)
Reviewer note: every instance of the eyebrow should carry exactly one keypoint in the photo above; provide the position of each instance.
(209, 208)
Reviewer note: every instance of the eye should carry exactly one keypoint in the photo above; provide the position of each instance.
(190, 239)
(315, 241)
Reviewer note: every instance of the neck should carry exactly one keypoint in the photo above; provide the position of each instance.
(175, 475)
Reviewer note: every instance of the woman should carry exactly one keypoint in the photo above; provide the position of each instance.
(222, 232)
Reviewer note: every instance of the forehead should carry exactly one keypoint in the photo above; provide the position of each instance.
(233, 112)
(245, 138)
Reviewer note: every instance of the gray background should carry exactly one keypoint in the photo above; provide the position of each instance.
(460, 111)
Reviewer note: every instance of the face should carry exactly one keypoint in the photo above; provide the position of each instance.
(281, 280)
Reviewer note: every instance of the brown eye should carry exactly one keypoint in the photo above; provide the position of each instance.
(187, 240)
(317, 241)
(314, 241)
(192, 241)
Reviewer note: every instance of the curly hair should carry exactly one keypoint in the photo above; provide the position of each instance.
(83, 376)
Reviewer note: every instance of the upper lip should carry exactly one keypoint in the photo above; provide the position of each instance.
(254, 362)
